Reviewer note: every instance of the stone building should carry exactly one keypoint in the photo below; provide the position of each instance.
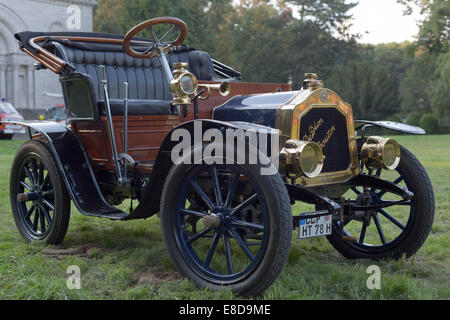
(20, 84)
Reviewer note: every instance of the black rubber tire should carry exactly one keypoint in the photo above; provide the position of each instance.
(422, 217)
(61, 213)
(280, 233)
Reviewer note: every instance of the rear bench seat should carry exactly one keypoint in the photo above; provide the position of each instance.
(149, 93)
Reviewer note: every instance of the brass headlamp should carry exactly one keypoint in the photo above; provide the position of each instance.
(379, 152)
(183, 85)
(186, 84)
(302, 158)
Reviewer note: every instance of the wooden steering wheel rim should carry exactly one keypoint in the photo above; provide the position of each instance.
(143, 25)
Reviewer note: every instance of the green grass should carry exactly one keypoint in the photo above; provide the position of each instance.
(119, 252)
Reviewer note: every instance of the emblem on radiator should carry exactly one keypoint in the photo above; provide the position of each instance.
(313, 130)
(327, 138)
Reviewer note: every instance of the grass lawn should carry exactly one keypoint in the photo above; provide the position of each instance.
(128, 260)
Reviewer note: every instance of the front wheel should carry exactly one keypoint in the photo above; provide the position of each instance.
(226, 226)
(394, 231)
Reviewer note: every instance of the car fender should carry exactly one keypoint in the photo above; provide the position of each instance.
(152, 196)
(396, 126)
(75, 168)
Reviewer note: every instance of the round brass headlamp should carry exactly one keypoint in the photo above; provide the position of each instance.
(186, 83)
(378, 152)
(302, 158)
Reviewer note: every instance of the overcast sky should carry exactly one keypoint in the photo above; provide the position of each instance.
(381, 21)
(384, 22)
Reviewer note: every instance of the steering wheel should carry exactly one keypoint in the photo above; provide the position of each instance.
(156, 45)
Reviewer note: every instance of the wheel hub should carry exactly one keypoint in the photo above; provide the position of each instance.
(220, 219)
(212, 221)
(364, 199)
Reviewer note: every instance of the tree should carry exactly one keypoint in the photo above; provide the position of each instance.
(108, 16)
(426, 84)
(260, 38)
(440, 94)
(372, 88)
(435, 28)
(330, 15)
(417, 84)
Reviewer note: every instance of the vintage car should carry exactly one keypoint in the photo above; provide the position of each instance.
(9, 114)
(220, 161)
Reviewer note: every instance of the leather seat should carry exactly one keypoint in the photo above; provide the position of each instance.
(148, 89)
(136, 107)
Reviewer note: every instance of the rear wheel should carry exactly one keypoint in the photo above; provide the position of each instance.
(226, 226)
(394, 231)
(39, 200)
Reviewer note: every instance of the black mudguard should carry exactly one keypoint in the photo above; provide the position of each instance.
(391, 125)
(75, 169)
(152, 196)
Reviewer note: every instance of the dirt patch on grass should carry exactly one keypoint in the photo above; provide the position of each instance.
(156, 277)
(84, 250)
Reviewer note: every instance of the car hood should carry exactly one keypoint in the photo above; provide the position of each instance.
(257, 108)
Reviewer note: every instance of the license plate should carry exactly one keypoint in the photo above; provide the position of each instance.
(314, 227)
(14, 128)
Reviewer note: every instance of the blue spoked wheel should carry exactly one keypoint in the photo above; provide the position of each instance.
(394, 231)
(226, 226)
(39, 200)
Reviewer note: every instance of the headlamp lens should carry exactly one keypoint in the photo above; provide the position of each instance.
(390, 155)
(311, 160)
(187, 84)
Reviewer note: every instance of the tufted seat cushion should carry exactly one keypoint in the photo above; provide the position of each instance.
(136, 107)
(149, 92)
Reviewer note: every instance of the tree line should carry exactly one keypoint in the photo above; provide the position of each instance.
(279, 42)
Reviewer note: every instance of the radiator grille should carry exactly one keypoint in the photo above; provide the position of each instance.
(328, 127)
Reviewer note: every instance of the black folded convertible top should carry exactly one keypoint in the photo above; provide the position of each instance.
(64, 38)
(24, 38)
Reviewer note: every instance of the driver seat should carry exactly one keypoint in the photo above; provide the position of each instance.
(149, 93)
